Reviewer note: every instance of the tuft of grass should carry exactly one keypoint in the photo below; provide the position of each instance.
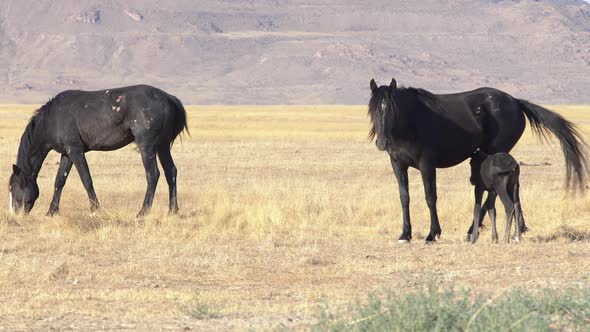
(200, 310)
(451, 310)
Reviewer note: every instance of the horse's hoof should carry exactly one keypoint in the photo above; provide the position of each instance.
(429, 242)
(50, 214)
(468, 238)
(142, 214)
(94, 210)
(403, 241)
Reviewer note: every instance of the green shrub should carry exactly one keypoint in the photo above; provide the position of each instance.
(432, 310)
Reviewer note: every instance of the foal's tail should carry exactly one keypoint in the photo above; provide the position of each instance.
(544, 122)
(180, 123)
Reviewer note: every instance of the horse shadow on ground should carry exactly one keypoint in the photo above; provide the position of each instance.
(566, 233)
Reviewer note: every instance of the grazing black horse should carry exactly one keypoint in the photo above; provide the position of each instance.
(428, 131)
(498, 174)
(75, 122)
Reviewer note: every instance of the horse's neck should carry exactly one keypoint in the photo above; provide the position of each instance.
(32, 152)
(403, 129)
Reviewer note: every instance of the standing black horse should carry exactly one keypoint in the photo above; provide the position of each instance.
(428, 131)
(75, 122)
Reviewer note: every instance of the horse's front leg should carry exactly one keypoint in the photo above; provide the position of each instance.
(429, 180)
(81, 164)
(401, 174)
(65, 165)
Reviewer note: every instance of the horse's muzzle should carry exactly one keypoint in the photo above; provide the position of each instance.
(381, 144)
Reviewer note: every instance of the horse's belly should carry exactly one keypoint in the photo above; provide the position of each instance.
(458, 153)
(452, 162)
(110, 140)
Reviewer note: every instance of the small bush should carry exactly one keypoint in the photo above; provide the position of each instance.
(199, 310)
(431, 310)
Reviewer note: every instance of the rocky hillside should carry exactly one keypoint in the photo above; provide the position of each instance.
(294, 52)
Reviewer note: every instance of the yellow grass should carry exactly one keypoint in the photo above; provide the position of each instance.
(282, 209)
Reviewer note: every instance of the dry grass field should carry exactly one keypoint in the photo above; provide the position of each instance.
(283, 209)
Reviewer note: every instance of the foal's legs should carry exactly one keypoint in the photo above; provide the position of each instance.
(170, 173)
(517, 217)
(79, 161)
(509, 207)
(152, 174)
(429, 180)
(401, 173)
(65, 165)
(490, 205)
(518, 211)
(477, 211)
(484, 209)
(519, 220)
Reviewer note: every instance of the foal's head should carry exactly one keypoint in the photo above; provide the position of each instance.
(477, 158)
(382, 109)
(23, 191)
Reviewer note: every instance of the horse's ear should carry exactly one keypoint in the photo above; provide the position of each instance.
(373, 85)
(15, 170)
(393, 84)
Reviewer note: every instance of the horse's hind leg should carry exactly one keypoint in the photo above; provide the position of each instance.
(65, 165)
(81, 164)
(170, 173)
(152, 174)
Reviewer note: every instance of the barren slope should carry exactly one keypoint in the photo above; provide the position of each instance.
(302, 52)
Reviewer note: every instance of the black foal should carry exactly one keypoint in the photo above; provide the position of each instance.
(498, 174)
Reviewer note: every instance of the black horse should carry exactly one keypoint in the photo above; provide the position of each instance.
(428, 131)
(75, 122)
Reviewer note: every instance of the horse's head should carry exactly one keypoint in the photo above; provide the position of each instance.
(382, 109)
(23, 191)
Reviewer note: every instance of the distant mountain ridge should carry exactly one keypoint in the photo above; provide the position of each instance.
(295, 52)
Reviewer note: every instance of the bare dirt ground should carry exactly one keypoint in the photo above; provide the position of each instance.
(283, 209)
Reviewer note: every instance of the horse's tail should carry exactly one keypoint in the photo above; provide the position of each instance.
(180, 123)
(544, 122)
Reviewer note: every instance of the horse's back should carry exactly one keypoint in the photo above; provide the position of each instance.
(498, 114)
(112, 118)
(503, 162)
(451, 126)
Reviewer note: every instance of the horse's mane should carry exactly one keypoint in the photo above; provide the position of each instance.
(425, 97)
(36, 120)
(42, 111)
(371, 112)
